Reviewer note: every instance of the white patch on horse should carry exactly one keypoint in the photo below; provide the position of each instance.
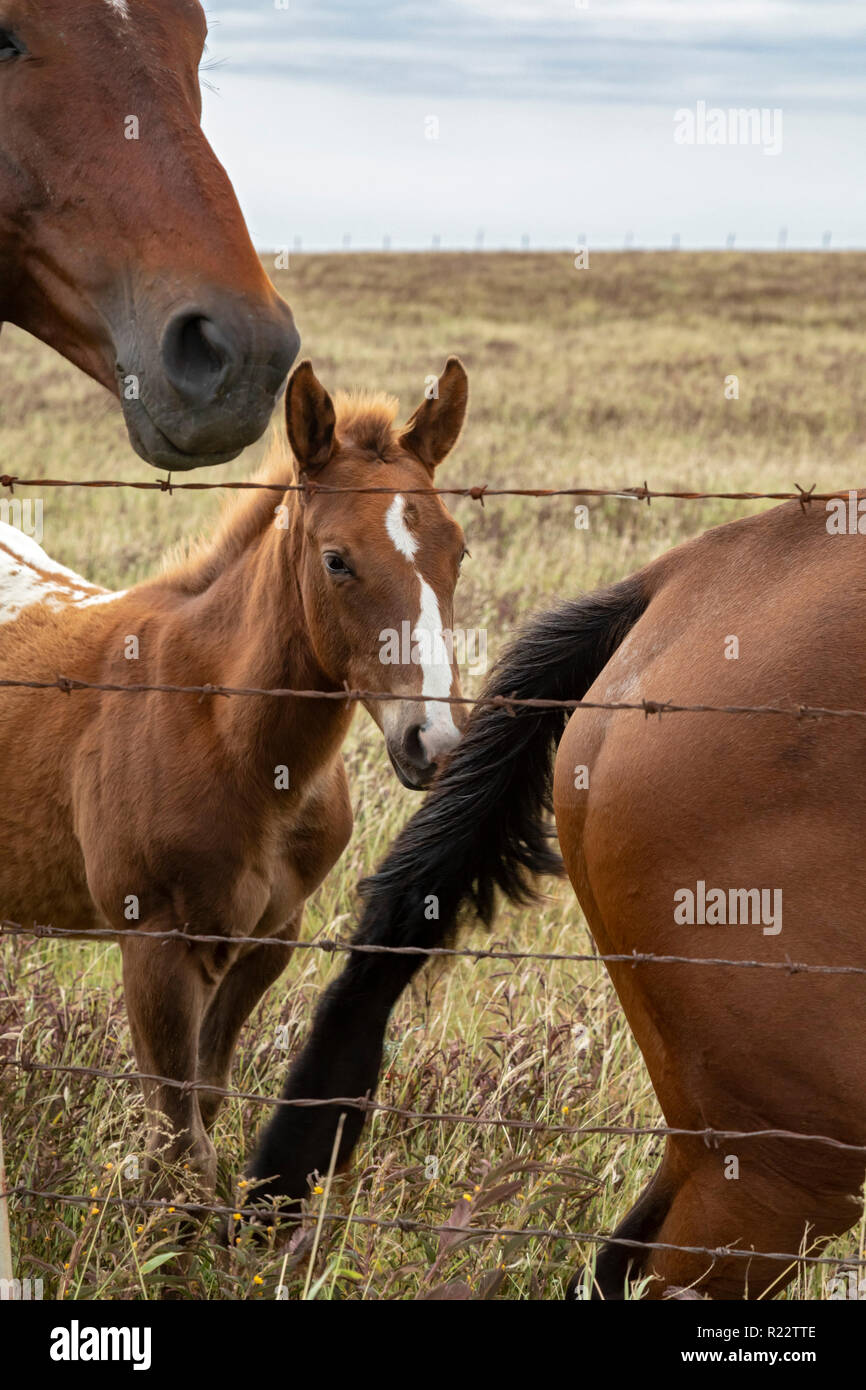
(395, 525)
(120, 7)
(29, 576)
(108, 597)
(439, 733)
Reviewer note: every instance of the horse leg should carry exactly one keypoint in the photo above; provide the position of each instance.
(617, 1264)
(168, 985)
(761, 1210)
(237, 996)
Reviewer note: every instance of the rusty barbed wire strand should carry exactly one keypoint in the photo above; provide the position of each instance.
(68, 684)
(708, 1135)
(402, 1223)
(335, 945)
(477, 492)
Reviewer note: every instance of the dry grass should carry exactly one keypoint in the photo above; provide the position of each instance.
(608, 376)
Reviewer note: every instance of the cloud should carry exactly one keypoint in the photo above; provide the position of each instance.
(636, 52)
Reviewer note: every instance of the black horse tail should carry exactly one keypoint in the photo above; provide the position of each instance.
(482, 827)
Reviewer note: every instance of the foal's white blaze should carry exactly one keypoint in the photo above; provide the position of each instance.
(120, 7)
(28, 575)
(395, 525)
(439, 733)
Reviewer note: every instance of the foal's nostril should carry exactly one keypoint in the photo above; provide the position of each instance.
(197, 355)
(413, 749)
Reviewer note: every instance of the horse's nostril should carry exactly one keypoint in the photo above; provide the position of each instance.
(413, 749)
(197, 355)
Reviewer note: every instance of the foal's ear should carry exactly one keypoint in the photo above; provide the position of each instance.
(310, 418)
(433, 430)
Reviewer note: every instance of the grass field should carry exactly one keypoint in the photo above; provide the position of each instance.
(607, 376)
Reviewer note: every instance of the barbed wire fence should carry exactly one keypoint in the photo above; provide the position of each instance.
(477, 492)
(238, 1212)
(711, 1137)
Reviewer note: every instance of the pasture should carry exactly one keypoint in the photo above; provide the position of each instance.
(607, 377)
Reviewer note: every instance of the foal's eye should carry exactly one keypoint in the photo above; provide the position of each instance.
(467, 555)
(9, 46)
(336, 565)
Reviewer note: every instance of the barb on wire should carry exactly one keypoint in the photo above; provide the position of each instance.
(403, 1223)
(709, 1136)
(334, 945)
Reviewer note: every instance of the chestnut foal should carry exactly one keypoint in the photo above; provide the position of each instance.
(220, 816)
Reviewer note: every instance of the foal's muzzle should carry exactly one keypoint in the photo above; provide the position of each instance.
(417, 751)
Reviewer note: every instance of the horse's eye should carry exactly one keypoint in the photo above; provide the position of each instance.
(336, 565)
(9, 46)
(467, 555)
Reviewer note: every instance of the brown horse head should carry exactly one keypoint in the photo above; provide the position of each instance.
(378, 570)
(121, 241)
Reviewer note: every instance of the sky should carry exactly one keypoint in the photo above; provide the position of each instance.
(541, 122)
